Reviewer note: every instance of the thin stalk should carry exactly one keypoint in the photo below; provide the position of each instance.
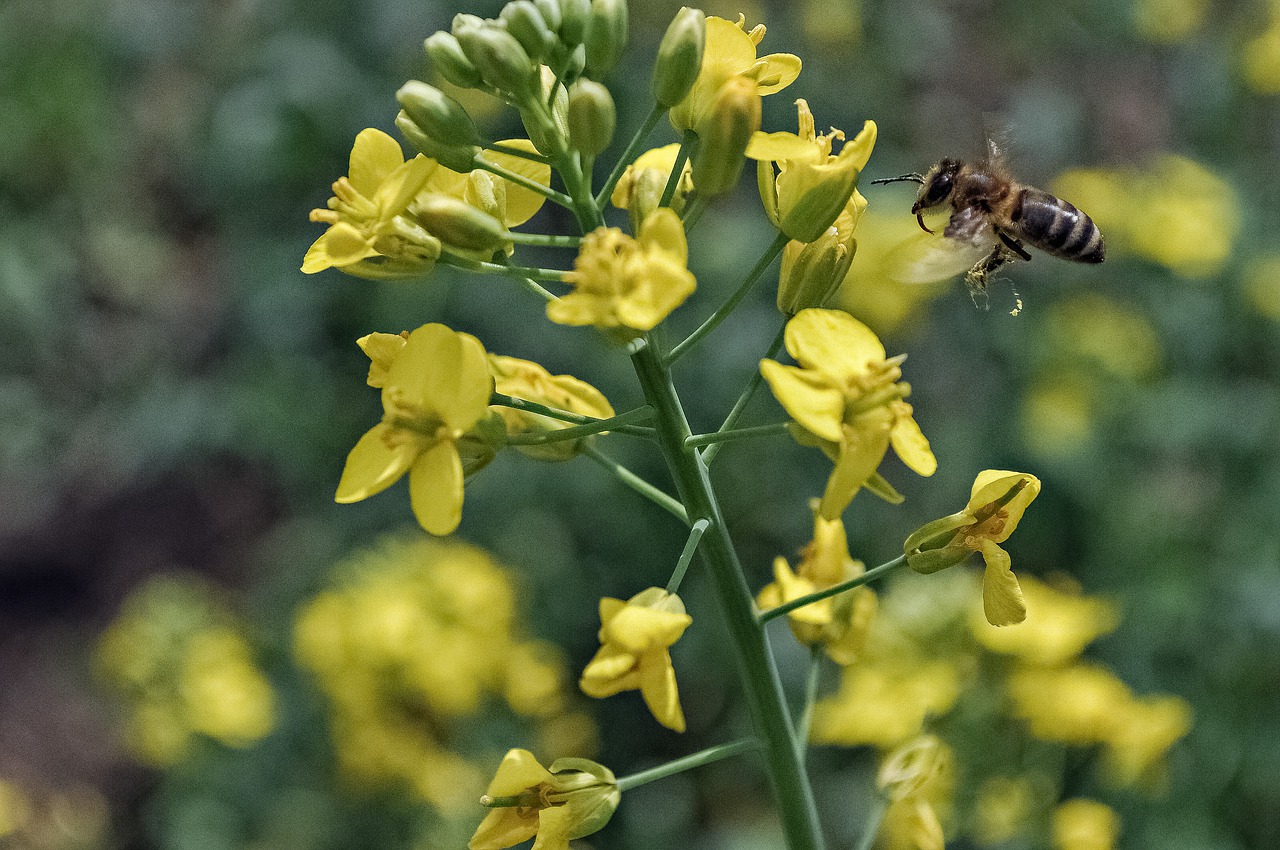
(636, 483)
(682, 156)
(728, 306)
(520, 180)
(559, 435)
(873, 823)
(836, 589)
(811, 681)
(500, 268)
(744, 399)
(628, 155)
(696, 205)
(739, 434)
(618, 424)
(499, 147)
(756, 667)
(671, 768)
(544, 240)
(686, 556)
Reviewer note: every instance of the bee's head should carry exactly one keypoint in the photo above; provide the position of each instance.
(937, 185)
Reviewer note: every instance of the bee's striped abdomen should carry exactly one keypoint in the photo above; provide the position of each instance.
(1056, 227)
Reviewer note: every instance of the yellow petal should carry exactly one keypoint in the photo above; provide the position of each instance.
(911, 447)
(446, 372)
(373, 157)
(519, 771)
(435, 488)
(503, 827)
(860, 146)
(832, 342)
(807, 398)
(1002, 600)
(378, 460)
(658, 687)
(994, 484)
(638, 629)
(665, 286)
(776, 71)
(522, 203)
(860, 454)
(340, 245)
(663, 229)
(612, 670)
(382, 350)
(779, 146)
(400, 186)
(554, 823)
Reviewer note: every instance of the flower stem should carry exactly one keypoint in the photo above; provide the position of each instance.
(811, 681)
(673, 179)
(618, 423)
(739, 434)
(498, 147)
(836, 589)
(628, 155)
(756, 667)
(520, 180)
(483, 267)
(635, 482)
(686, 556)
(873, 823)
(740, 405)
(671, 768)
(728, 306)
(545, 240)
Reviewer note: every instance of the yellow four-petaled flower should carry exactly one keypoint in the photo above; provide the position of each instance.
(575, 797)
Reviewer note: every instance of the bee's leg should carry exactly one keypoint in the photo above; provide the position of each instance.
(1013, 245)
(987, 266)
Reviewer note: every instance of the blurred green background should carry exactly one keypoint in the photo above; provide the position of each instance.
(177, 400)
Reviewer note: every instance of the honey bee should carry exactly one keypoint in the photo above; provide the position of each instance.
(994, 218)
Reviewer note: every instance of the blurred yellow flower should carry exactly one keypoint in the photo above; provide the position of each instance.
(626, 286)
(1004, 809)
(226, 696)
(575, 797)
(1117, 337)
(1262, 286)
(810, 187)
(1060, 623)
(1080, 824)
(1169, 21)
(1058, 414)
(1142, 734)
(1077, 705)
(731, 52)
(436, 389)
(996, 505)
(916, 779)
(635, 638)
(1260, 59)
(872, 290)
(527, 380)
(845, 397)
(885, 703)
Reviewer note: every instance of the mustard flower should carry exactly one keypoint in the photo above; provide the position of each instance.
(369, 233)
(626, 286)
(915, 779)
(1081, 824)
(731, 52)
(640, 189)
(995, 507)
(845, 398)
(811, 187)
(635, 637)
(436, 389)
(1143, 732)
(886, 703)
(839, 623)
(575, 797)
(529, 381)
(1060, 623)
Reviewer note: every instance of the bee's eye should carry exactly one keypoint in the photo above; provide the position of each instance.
(938, 188)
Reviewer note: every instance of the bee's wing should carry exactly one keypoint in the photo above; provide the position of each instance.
(931, 257)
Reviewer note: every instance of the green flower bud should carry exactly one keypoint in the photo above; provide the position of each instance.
(548, 132)
(679, 57)
(458, 224)
(591, 791)
(450, 62)
(573, 21)
(591, 117)
(550, 11)
(606, 35)
(723, 136)
(812, 272)
(526, 23)
(456, 157)
(499, 57)
(437, 115)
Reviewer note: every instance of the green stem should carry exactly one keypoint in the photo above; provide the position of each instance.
(545, 240)
(834, 590)
(498, 147)
(618, 424)
(636, 483)
(682, 156)
(725, 309)
(686, 556)
(520, 180)
(811, 680)
(756, 666)
(628, 155)
(483, 267)
(740, 405)
(671, 768)
(740, 434)
(873, 823)
(696, 205)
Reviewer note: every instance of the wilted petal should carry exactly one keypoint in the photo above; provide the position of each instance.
(1001, 596)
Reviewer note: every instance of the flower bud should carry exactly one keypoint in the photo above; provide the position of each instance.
(591, 117)
(723, 136)
(550, 12)
(679, 57)
(526, 23)
(573, 21)
(592, 792)
(606, 35)
(452, 156)
(911, 767)
(438, 115)
(450, 62)
(458, 224)
(811, 273)
(499, 57)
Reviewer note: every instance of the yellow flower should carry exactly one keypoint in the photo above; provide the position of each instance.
(996, 505)
(731, 52)
(1144, 730)
(1085, 825)
(526, 380)
(635, 637)
(845, 398)
(1060, 624)
(642, 184)
(811, 186)
(838, 623)
(885, 704)
(369, 233)
(627, 286)
(510, 203)
(573, 798)
(1075, 705)
(915, 779)
(436, 389)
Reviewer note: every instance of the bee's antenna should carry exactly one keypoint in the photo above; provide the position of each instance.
(905, 178)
